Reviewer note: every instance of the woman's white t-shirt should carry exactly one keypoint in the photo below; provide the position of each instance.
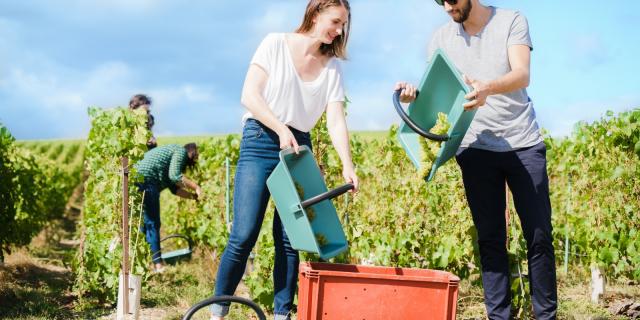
(296, 103)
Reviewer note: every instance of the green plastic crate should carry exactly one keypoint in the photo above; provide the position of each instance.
(303, 169)
(441, 90)
(177, 255)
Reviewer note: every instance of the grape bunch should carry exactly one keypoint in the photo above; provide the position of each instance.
(430, 148)
(322, 240)
(299, 190)
(311, 214)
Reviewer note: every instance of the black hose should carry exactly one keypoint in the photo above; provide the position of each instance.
(219, 299)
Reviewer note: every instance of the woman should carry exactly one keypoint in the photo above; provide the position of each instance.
(292, 79)
(144, 102)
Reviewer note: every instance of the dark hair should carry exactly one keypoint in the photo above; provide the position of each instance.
(192, 154)
(150, 121)
(139, 100)
(337, 48)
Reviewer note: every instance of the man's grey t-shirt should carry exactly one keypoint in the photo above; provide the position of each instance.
(507, 121)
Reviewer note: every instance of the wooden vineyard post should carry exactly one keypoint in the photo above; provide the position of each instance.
(125, 235)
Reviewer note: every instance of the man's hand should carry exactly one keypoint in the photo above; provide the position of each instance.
(408, 93)
(199, 195)
(182, 193)
(477, 97)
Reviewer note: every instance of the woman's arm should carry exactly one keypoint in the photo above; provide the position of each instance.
(337, 127)
(252, 99)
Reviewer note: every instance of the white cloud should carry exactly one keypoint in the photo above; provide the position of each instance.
(59, 89)
(588, 51)
(81, 10)
(280, 17)
(371, 107)
(180, 97)
(57, 58)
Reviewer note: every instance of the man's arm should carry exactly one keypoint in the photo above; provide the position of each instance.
(186, 182)
(518, 78)
(182, 193)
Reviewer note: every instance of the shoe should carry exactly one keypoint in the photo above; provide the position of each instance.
(159, 268)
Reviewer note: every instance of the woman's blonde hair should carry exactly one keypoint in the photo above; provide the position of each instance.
(337, 48)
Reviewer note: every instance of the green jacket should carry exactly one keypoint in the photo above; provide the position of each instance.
(163, 166)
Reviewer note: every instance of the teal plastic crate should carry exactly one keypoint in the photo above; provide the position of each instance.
(294, 211)
(441, 90)
(172, 257)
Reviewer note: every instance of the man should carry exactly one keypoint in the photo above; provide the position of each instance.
(163, 167)
(491, 48)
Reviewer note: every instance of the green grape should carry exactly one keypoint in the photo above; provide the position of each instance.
(430, 148)
(299, 190)
(322, 240)
(311, 214)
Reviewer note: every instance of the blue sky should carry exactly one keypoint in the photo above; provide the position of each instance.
(59, 57)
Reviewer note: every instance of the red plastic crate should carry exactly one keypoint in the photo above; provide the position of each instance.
(342, 291)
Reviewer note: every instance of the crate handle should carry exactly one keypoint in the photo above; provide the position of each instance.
(327, 195)
(405, 117)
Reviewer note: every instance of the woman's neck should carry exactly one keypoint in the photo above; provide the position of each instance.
(310, 45)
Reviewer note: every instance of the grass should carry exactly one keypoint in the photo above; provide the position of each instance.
(170, 294)
(42, 288)
(573, 296)
(32, 290)
(36, 282)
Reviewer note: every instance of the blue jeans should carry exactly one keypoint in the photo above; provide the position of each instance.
(151, 214)
(525, 171)
(259, 155)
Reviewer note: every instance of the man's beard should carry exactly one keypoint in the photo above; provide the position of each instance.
(464, 13)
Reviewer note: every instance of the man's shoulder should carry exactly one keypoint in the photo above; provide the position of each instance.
(507, 14)
(164, 151)
(447, 28)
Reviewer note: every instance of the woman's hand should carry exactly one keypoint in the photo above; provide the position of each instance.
(349, 174)
(287, 140)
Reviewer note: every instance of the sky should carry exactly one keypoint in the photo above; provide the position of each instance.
(57, 58)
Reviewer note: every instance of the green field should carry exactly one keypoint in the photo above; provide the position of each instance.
(395, 220)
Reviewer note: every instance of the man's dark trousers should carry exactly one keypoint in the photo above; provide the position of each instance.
(525, 171)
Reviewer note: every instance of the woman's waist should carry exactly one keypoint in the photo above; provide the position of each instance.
(251, 122)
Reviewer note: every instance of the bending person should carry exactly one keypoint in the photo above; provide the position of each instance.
(163, 168)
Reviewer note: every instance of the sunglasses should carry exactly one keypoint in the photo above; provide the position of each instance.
(450, 2)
